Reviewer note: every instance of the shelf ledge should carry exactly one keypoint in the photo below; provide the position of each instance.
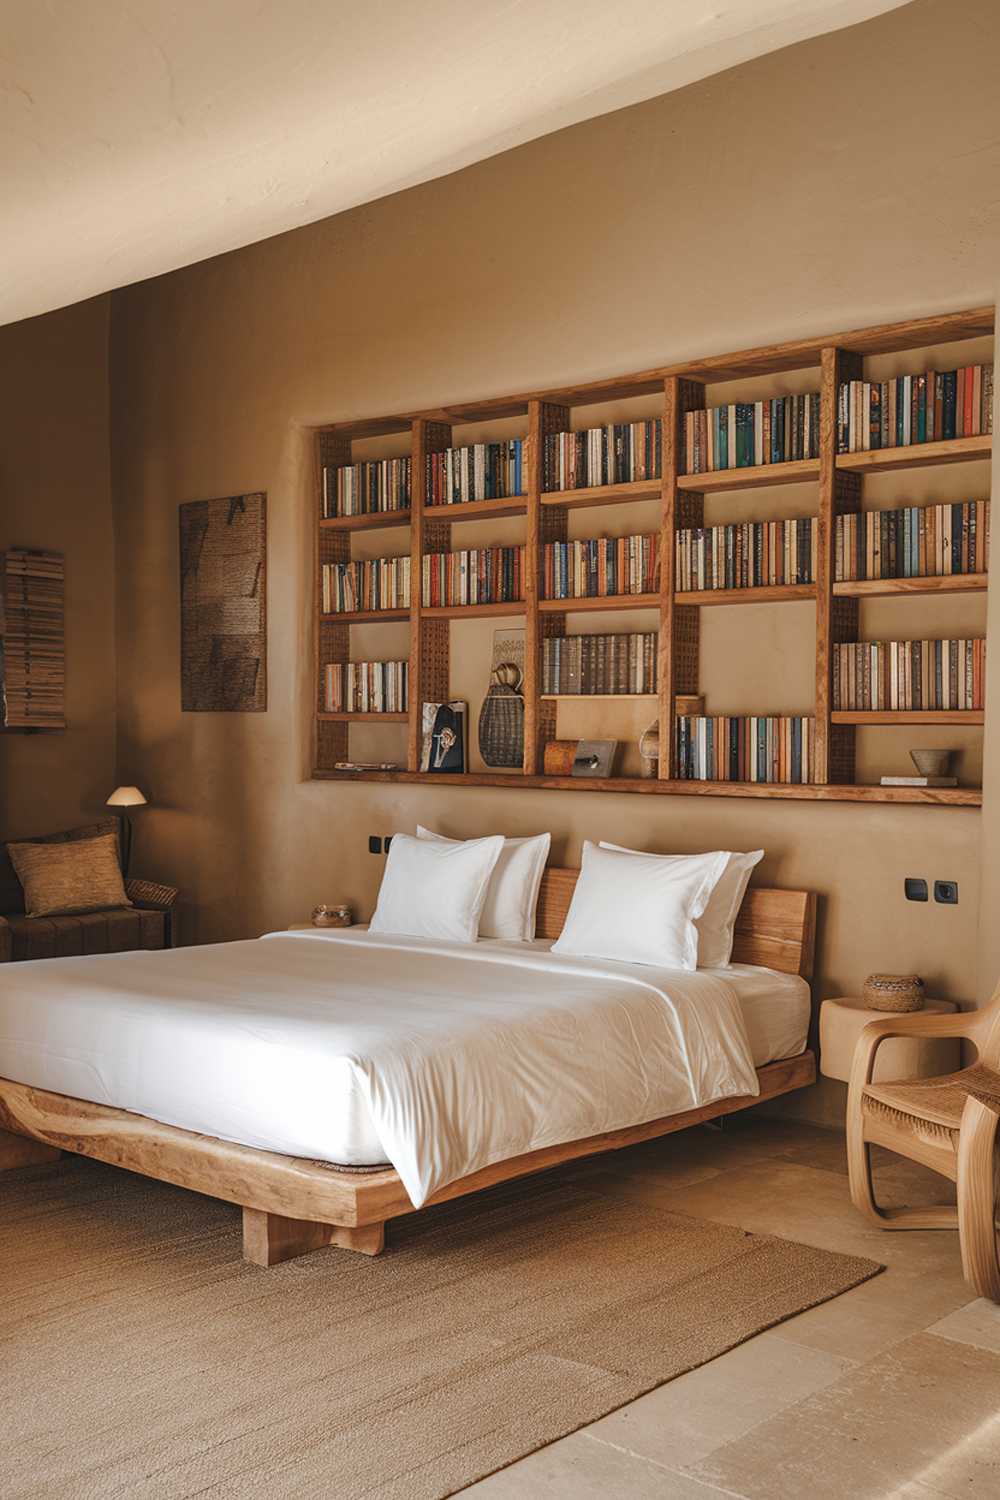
(830, 792)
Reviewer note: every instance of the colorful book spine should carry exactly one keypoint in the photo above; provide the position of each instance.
(619, 453)
(745, 434)
(601, 568)
(773, 748)
(924, 408)
(748, 554)
(481, 471)
(366, 489)
(909, 676)
(913, 541)
(480, 575)
(377, 583)
(599, 665)
(366, 687)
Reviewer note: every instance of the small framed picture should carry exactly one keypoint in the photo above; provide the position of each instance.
(594, 758)
(443, 730)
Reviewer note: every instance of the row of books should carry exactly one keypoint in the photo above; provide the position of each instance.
(366, 489)
(901, 676)
(745, 433)
(376, 583)
(366, 687)
(615, 454)
(747, 554)
(773, 748)
(480, 471)
(599, 664)
(913, 541)
(479, 575)
(911, 409)
(602, 567)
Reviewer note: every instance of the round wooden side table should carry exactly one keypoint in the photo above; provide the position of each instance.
(841, 1022)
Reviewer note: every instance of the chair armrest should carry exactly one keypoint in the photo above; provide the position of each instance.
(6, 941)
(954, 1024)
(148, 893)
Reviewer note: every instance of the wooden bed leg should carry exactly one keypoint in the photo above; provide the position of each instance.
(269, 1239)
(22, 1151)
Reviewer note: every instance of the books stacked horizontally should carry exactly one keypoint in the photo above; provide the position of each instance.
(913, 541)
(377, 583)
(616, 454)
(481, 471)
(748, 554)
(599, 664)
(740, 747)
(907, 676)
(480, 575)
(366, 687)
(746, 433)
(601, 568)
(366, 489)
(914, 408)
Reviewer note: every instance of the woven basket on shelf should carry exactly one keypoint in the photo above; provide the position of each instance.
(898, 992)
(501, 719)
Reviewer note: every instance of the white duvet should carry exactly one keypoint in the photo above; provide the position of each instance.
(462, 1056)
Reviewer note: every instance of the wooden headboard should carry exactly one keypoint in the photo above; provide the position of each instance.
(775, 929)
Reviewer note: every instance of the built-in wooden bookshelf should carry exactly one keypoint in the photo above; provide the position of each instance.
(838, 479)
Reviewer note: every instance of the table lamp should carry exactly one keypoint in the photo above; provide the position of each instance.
(122, 798)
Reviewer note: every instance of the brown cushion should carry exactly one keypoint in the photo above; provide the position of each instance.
(96, 932)
(75, 876)
(11, 893)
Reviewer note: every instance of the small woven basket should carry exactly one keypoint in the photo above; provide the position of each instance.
(898, 992)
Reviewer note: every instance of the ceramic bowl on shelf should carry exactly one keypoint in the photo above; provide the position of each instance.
(931, 762)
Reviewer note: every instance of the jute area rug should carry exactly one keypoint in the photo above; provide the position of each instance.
(142, 1358)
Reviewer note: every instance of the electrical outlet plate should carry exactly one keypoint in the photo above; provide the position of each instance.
(914, 889)
(946, 891)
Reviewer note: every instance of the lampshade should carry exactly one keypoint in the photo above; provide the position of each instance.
(126, 796)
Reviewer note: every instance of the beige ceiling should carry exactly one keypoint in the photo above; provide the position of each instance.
(137, 136)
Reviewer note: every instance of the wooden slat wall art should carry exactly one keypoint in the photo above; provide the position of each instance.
(32, 640)
(837, 477)
(223, 605)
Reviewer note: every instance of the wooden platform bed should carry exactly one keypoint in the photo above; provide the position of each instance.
(292, 1206)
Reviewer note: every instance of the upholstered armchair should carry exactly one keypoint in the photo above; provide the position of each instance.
(948, 1124)
(147, 923)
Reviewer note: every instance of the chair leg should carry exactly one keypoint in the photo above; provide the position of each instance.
(859, 1172)
(977, 1197)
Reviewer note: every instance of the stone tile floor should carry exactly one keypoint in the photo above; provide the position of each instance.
(889, 1392)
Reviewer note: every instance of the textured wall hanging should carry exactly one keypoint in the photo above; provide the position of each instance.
(223, 597)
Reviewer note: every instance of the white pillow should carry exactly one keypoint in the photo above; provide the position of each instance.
(512, 894)
(434, 890)
(718, 921)
(641, 909)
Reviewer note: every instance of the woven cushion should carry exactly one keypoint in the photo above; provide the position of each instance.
(11, 893)
(119, 931)
(930, 1108)
(75, 876)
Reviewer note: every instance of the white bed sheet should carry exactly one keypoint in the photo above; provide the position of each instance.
(351, 1047)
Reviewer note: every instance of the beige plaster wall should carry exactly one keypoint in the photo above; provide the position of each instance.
(55, 492)
(842, 182)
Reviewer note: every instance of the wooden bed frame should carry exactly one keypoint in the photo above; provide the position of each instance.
(292, 1206)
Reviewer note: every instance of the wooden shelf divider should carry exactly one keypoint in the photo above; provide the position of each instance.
(751, 476)
(948, 583)
(838, 477)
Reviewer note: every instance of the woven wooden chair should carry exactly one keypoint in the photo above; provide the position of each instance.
(948, 1124)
